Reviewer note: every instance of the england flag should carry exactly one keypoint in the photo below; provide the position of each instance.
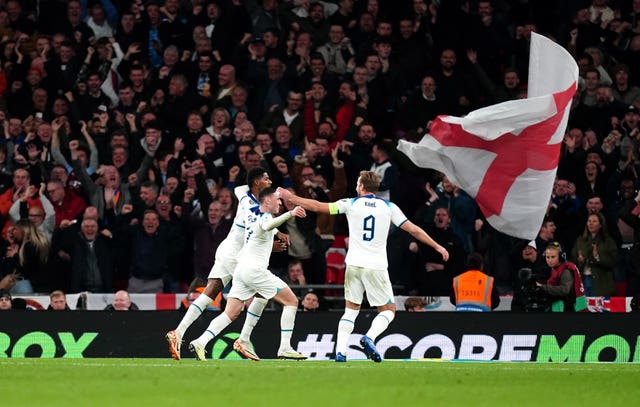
(506, 155)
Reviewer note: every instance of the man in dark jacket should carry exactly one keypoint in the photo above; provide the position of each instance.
(91, 256)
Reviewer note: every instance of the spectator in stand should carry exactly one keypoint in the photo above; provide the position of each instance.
(595, 255)
(151, 251)
(545, 236)
(21, 181)
(433, 274)
(284, 147)
(289, 114)
(67, 205)
(208, 233)
(90, 255)
(38, 210)
(5, 300)
(310, 302)
(271, 87)
(305, 244)
(592, 82)
(295, 274)
(27, 254)
(454, 87)
(415, 304)
(565, 210)
(357, 154)
(145, 199)
(509, 89)
(110, 195)
(122, 302)
(574, 152)
(386, 170)
(422, 107)
(606, 107)
(461, 206)
(623, 90)
(58, 301)
(591, 182)
(337, 52)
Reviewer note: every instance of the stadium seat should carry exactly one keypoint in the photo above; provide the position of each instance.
(335, 268)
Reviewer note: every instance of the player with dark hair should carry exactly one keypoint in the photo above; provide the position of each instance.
(252, 277)
(223, 267)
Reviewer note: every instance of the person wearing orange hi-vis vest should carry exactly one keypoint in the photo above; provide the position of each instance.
(473, 289)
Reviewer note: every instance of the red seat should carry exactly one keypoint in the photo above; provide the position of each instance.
(335, 269)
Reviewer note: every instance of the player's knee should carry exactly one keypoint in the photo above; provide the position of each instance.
(214, 286)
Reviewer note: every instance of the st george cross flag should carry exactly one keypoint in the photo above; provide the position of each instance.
(506, 155)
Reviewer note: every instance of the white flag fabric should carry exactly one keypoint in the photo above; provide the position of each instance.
(506, 155)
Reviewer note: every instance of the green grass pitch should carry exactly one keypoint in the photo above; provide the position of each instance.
(164, 382)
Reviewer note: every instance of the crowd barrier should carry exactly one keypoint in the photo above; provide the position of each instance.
(160, 302)
(578, 337)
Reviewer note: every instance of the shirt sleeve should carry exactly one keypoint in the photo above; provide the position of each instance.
(397, 216)
(341, 206)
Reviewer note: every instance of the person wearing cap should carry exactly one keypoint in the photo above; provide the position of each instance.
(529, 258)
(630, 123)
(5, 300)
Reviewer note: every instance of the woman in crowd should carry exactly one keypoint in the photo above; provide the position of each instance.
(595, 254)
(27, 255)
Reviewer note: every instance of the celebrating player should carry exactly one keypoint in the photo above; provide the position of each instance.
(222, 270)
(252, 277)
(369, 219)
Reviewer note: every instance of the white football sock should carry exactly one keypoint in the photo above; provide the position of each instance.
(287, 321)
(254, 312)
(193, 312)
(215, 327)
(345, 327)
(380, 323)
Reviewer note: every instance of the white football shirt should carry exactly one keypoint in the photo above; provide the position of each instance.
(234, 241)
(369, 219)
(258, 242)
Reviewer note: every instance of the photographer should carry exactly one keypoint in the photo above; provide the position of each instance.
(565, 285)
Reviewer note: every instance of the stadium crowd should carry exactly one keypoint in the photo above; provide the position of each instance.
(128, 123)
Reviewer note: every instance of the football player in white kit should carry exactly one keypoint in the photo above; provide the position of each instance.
(369, 219)
(223, 268)
(252, 276)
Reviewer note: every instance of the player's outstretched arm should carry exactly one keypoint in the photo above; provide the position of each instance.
(298, 212)
(308, 204)
(422, 236)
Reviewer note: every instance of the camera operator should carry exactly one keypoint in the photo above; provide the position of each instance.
(565, 285)
(531, 268)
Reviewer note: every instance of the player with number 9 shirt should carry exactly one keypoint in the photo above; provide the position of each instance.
(369, 219)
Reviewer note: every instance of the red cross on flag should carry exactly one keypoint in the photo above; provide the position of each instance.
(506, 155)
